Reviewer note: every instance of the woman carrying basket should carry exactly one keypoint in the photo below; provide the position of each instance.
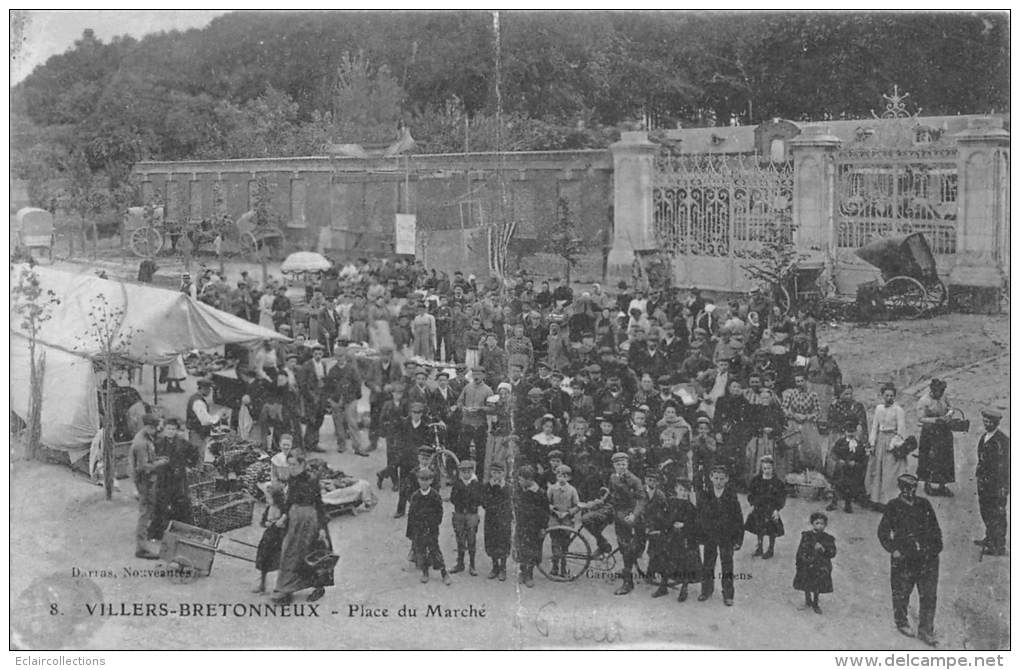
(935, 457)
(307, 533)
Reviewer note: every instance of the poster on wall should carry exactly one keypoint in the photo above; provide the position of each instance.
(406, 226)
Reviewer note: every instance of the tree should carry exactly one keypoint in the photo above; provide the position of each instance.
(34, 306)
(107, 334)
(563, 237)
(265, 217)
(367, 101)
(775, 262)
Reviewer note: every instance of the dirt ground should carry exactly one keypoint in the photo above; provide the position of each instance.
(61, 523)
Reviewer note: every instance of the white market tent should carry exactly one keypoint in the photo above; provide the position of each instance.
(161, 324)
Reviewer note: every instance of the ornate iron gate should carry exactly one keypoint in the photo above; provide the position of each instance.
(712, 211)
(882, 192)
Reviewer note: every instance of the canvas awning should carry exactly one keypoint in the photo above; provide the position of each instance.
(158, 324)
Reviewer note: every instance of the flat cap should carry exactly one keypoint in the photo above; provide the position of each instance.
(906, 479)
(993, 414)
(620, 456)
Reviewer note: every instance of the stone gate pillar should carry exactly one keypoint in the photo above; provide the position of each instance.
(633, 219)
(814, 194)
(982, 234)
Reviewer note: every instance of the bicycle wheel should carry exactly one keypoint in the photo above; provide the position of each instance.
(574, 559)
(444, 463)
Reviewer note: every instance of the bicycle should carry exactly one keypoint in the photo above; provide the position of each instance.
(578, 559)
(443, 462)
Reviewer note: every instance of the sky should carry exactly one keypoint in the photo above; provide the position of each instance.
(46, 33)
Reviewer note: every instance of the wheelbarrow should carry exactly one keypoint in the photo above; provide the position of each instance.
(189, 551)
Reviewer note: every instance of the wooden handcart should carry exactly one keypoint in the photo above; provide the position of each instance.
(190, 551)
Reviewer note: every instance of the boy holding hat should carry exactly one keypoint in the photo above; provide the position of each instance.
(993, 483)
(466, 497)
(424, 516)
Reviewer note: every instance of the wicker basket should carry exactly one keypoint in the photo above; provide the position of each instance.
(204, 473)
(225, 512)
(808, 491)
(202, 490)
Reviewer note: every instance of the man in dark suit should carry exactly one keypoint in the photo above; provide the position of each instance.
(311, 380)
(993, 483)
(382, 373)
(721, 525)
(343, 390)
(411, 435)
(910, 533)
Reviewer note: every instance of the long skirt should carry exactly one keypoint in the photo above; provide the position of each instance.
(359, 331)
(935, 457)
(266, 320)
(759, 446)
(302, 531)
(825, 396)
(883, 470)
(267, 557)
(423, 345)
(806, 444)
(176, 371)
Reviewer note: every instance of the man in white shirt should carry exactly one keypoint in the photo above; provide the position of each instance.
(198, 419)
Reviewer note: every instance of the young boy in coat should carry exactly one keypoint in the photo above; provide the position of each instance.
(498, 518)
(424, 516)
(563, 505)
(814, 561)
(850, 464)
(721, 526)
(532, 513)
(659, 530)
(685, 554)
(466, 497)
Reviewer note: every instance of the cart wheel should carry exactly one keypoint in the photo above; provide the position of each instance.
(906, 297)
(938, 295)
(146, 242)
(182, 571)
(575, 557)
(249, 245)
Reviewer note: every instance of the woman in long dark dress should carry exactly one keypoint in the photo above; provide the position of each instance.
(936, 465)
(306, 528)
(732, 430)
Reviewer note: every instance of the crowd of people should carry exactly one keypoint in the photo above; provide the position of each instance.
(647, 410)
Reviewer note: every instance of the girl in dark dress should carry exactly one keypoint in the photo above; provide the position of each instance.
(767, 495)
(306, 528)
(814, 561)
(267, 558)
